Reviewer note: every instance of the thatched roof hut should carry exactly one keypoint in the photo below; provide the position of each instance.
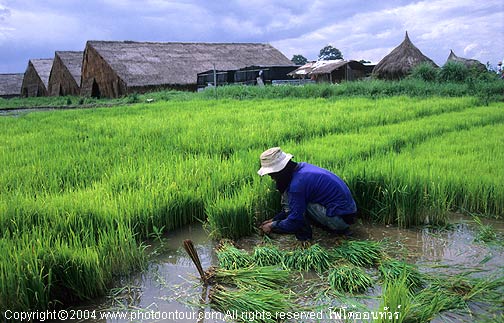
(339, 70)
(36, 77)
(65, 74)
(469, 63)
(115, 68)
(333, 71)
(400, 61)
(10, 85)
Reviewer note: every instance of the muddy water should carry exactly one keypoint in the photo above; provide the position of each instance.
(170, 290)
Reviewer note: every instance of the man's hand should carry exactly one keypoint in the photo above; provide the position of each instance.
(266, 226)
(266, 222)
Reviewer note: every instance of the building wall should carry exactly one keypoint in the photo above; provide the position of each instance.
(32, 84)
(98, 78)
(61, 81)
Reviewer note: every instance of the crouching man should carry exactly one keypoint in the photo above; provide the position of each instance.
(310, 194)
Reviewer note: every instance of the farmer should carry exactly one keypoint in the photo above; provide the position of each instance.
(310, 194)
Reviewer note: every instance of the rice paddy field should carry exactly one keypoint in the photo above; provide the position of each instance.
(82, 192)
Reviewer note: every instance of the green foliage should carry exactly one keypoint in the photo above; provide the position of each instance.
(89, 185)
(392, 270)
(349, 279)
(299, 60)
(425, 72)
(231, 257)
(453, 72)
(329, 53)
(305, 259)
(359, 253)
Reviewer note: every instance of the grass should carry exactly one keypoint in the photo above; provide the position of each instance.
(348, 278)
(359, 253)
(267, 255)
(313, 257)
(263, 305)
(231, 257)
(391, 269)
(255, 277)
(81, 189)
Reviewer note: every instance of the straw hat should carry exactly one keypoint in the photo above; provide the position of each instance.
(273, 160)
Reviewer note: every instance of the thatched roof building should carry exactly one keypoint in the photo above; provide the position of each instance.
(114, 68)
(10, 85)
(333, 71)
(65, 75)
(400, 61)
(469, 63)
(36, 77)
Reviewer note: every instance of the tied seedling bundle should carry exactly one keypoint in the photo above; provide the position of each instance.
(359, 253)
(267, 255)
(349, 278)
(391, 270)
(304, 259)
(231, 257)
(257, 305)
(268, 277)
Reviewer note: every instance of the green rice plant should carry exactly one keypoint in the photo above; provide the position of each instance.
(261, 305)
(349, 279)
(397, 297)
(391, 269)
(231, 257)
(485, 233)
(359, 253)
(313, 257)
(253, 277)
(267, 255)
(454, 293)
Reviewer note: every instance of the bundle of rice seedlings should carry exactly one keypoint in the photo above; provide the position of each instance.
(349, 278)
(252, 277)
(231, 257)
(267, 255)
(312, 258)
(392, 269)
(359, 253)
(261, 305)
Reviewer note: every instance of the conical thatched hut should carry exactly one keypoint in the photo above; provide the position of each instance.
(469, 63)
(65, 74)
(36, 77)
(115, 68)
(400, 61)
(10, 85)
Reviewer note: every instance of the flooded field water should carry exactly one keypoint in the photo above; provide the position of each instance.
(170, 290)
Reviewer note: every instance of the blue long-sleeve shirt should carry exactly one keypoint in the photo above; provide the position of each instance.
(312, 184)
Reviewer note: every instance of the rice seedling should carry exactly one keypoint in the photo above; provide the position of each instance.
(254, 277)
(398, 298)
(313, 257)
(359, 253)
(391, 269)
(349, 279)
(104, 180)
(244, 305)
(485, 233)
(231, 257)
(267, 255)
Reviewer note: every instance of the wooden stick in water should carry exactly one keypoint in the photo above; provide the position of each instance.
(189, 248)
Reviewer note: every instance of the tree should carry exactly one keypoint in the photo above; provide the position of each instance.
(329, 52)
(299, 60)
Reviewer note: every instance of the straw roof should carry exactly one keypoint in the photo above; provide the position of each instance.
(470, 63)
(73, 62)
(43, 68)
(331, 66)
(400, 61)
(10, 84)
(146, 63)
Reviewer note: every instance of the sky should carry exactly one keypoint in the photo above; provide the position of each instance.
(360, 29)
